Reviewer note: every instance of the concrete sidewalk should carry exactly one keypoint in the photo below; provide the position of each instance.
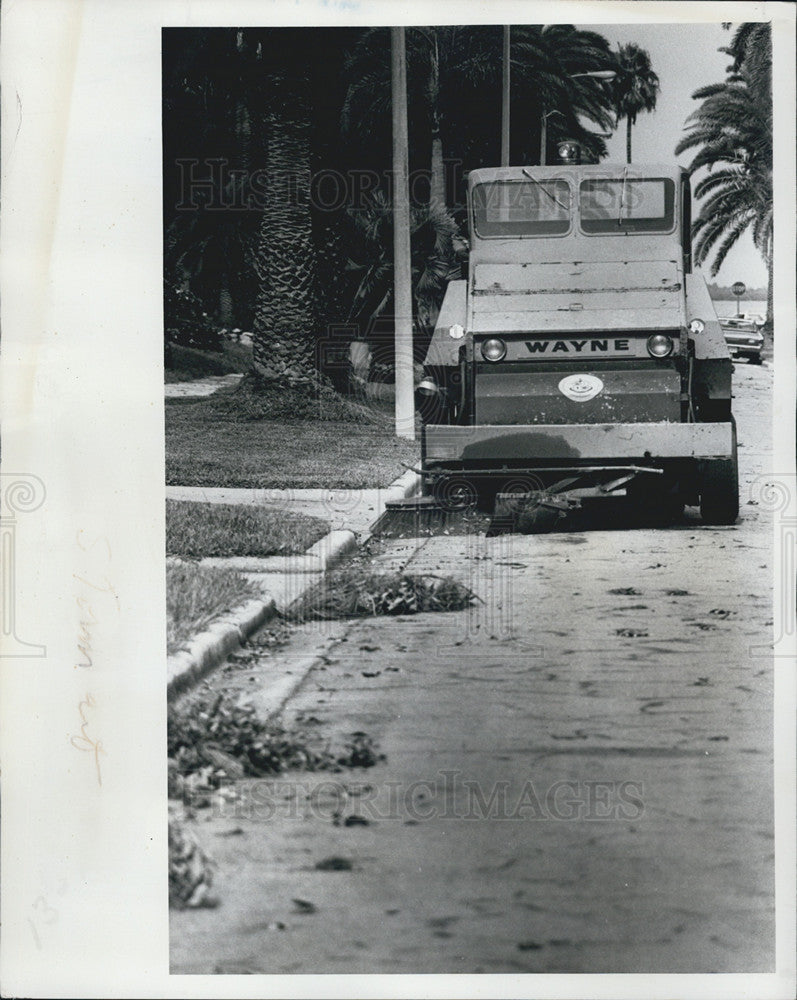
(282, 579)
(200, 387)
(344, 510)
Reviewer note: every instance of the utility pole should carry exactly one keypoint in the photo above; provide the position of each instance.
(543, 136)
(505, 102)
(402, 274)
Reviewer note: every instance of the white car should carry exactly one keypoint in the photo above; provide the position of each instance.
(756, 318)
(743, 337)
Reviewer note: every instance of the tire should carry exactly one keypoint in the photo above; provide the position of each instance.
(719, 494)
(754, 359)
(456, 493)
(652, 503)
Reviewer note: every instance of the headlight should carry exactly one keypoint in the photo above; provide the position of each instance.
(493, 349)
(660, 345)
(456, 332)
(696, 326)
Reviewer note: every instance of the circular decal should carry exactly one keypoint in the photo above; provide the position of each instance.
(580, 387)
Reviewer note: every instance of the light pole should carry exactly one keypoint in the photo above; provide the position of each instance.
(402, 275)
(544, 132)
(505, 102)
(597, 74)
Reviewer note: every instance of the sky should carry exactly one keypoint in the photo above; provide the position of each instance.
(685, 57)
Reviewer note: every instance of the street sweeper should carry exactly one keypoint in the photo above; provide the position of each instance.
(582, 357)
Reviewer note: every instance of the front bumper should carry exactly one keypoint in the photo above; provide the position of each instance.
(744, 347)
(572, 444)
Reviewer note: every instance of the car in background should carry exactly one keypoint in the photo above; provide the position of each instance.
(744, 337)
(756, 318)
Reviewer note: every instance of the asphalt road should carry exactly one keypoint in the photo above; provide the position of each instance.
(578, 772)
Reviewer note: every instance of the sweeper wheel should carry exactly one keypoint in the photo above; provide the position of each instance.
(719, 491)
(455, 493)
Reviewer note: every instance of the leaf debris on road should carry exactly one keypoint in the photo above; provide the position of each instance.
(355, 591)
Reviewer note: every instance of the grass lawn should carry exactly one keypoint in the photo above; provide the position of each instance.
(196, 595)
(212, 529)
(189, 364)
(206, 447)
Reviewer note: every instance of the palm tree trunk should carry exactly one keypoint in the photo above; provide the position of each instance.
(243, 134)
(628, 140)
(437, 185)
(437, 192)
(543, 137)
(225, 304)
(284, 335)
(770, 321)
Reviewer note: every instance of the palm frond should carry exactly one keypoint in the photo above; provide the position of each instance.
(731, 237)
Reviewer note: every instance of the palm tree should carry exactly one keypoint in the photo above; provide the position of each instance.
(210, 80)
(208, 252)
(454, 89)
(635, 88)
(548, 67)
(435, 259)
(229, 97)
(732, 132)
(435, 245)
(752, 47)
(434, 56)
(286, 323)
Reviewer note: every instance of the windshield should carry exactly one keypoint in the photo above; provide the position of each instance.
(627, 205)
(521, 208)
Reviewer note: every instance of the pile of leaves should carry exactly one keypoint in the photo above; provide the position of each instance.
(360, 752)
(191, 871)
(355, 591)
(213, 740)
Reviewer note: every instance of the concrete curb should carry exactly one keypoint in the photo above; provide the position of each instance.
(330, 549)
(210, 648)
(270, 697)
(207, 650)
(407, 485)
(317, 559)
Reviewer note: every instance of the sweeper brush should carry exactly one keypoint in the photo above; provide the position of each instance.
(529, 513)
(455, 505)
(417, 517)
(526, 513)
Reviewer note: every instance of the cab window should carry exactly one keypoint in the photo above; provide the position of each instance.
(521, 208)
(630, 205)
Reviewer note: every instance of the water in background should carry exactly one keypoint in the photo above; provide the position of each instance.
(727, 307)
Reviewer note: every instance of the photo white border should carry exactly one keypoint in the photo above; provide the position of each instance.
(84, 893)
